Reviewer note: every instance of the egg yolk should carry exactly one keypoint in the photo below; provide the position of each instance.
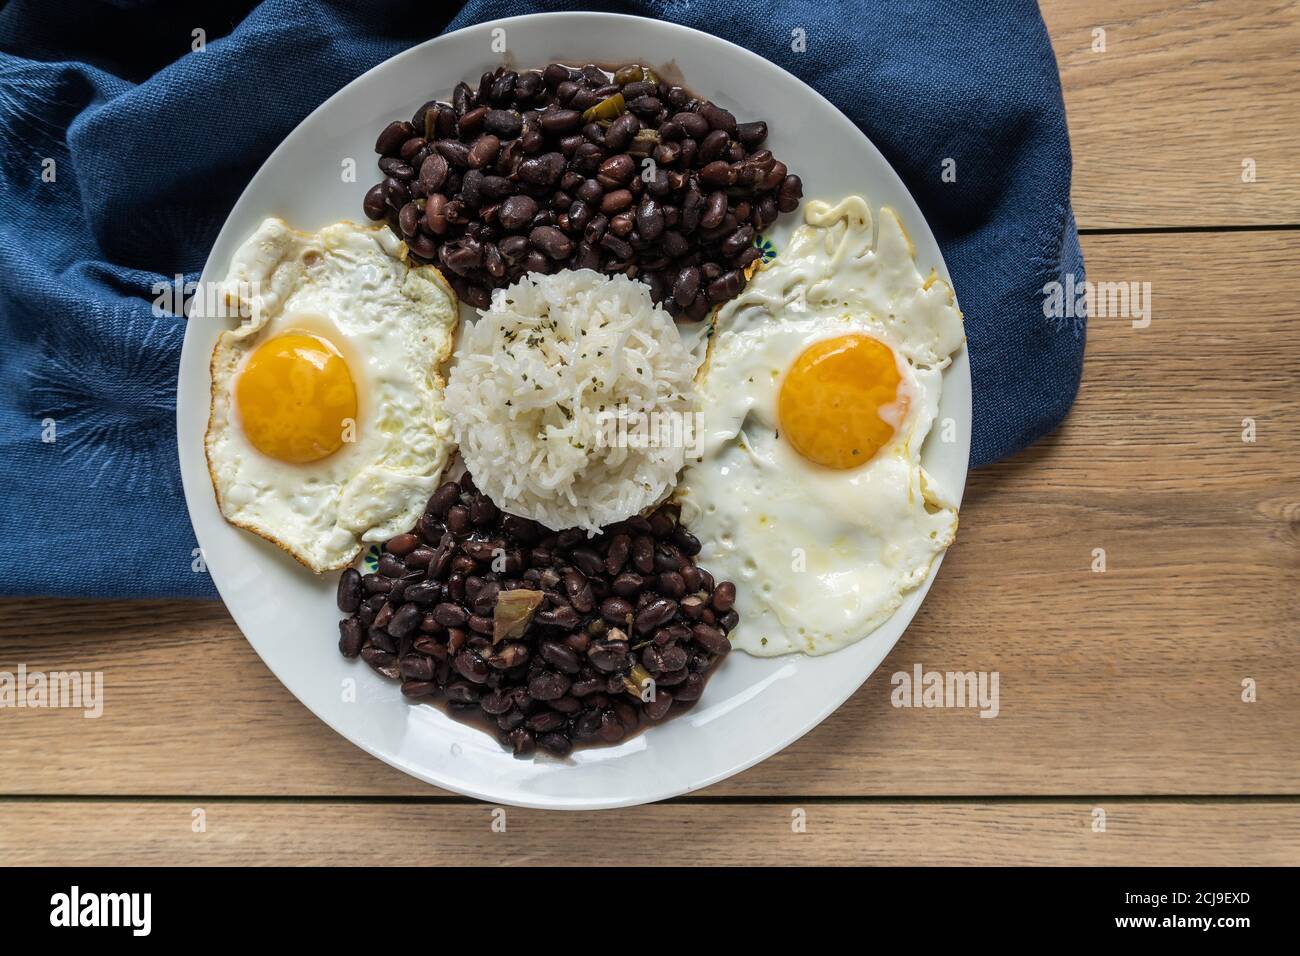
(831, 402)
(296, 398)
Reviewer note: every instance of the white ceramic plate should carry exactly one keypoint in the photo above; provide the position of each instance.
(751, 708)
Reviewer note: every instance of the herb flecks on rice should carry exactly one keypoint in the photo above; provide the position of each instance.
(535, 387)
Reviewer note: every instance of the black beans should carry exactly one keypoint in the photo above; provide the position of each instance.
(751, 135)
(572, 674)
(404, 620)
(351, 635)
(517, 211)
(726, 286)
(560, 121)
(608, 656)
(718, 118)
(548, 685)
(555, 744)
(620, 132)
(560, 656)
(551, 241)
(393, 136)
(643, 553)
(617, 169)
(790, 193)
(506, 124)
(349, 591)
(542, 170)
(655, 613)
(616, 201)
(483, 152)
(616, 611)
(711, 639)
(671, 183)
(687, 285)
(375, 203)
(472, 667)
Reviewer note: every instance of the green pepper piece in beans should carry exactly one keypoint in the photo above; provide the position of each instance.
(609, 108)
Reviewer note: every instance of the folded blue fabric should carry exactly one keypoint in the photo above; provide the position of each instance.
(122, 149)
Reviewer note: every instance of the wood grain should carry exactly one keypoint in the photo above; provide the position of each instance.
(1123, 682)
(1161, 122)
(836, 834)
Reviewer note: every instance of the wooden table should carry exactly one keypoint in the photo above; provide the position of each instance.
(1121, 691)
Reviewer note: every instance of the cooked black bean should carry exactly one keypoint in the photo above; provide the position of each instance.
(560, 121)
(727, 286)
(620, 132)
(718, 118)
(714, 210)
(391, 166)
(617, 169)
(351, 636)
(516, 212)
(375, 203)
(695, 125)
(670, 583)
(712, 146)
(471, 667)
(405, 620)
(555, 744)
(528, 85)
(608, 656)
(711, 639)
(450, 615)
(751, 135)
(454, 151)
(614, 244)
(496, 702)
(616, 610)
(349, 591)
(611, 728)
(393, 136)
(471, 123)
(546, 721)
(560, 656)
(506, 124)
(548, 685)
(658, 611)
(615, 201)
(724, 596)
(657, 708)
(790, 193)
(551, 241)
(643, 551)
(542, 170)
(649, 219)
(483, 152)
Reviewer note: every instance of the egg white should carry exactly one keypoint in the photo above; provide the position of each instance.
(821, 557)
(394, 325)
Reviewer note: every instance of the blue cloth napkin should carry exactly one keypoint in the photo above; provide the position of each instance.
(123, 146)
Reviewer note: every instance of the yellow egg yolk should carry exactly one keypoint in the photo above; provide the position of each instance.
(296, 398)
(832, 398)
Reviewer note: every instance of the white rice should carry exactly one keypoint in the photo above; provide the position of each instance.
(536, 382)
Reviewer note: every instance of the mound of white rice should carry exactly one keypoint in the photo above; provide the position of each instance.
(535, 386)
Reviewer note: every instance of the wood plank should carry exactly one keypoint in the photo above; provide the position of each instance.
(835, 834)
(1126, 682)
(1161, 121)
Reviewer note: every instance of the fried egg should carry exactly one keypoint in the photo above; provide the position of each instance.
(327, 426)
(819, 386)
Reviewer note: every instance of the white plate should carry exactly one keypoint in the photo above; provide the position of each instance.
(751, 708)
